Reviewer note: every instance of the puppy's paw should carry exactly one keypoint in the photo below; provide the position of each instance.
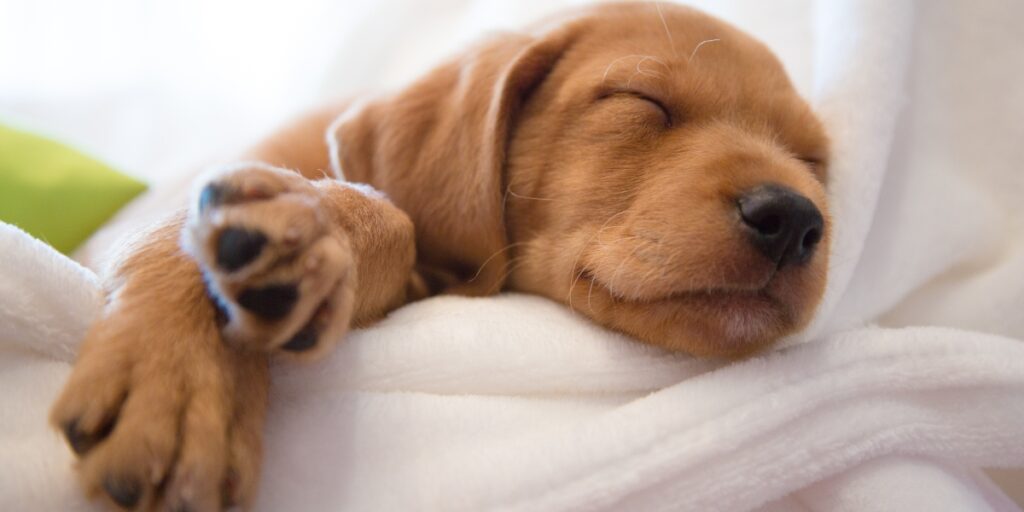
(161, 415)
(283, 275)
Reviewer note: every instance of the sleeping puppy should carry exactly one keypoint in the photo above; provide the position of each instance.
(652, 169)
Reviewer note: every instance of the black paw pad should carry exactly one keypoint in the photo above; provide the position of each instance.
(272, 302)
(303, 341)
(80, 440)
(237, 247)
(212, 195)
(124, 492)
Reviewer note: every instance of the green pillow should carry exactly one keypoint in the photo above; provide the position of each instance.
(56, 193)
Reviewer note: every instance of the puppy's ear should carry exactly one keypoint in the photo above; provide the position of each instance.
(437, 149)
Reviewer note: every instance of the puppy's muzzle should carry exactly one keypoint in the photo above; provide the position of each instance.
(783, 225)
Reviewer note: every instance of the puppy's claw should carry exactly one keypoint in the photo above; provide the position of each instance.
(80, 441)
(123, 491)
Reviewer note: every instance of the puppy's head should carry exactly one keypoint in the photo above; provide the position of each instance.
(666, 180)
(652, 168)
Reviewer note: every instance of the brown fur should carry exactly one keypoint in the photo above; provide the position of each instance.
(536, 163)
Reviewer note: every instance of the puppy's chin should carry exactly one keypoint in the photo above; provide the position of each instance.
(706, 323)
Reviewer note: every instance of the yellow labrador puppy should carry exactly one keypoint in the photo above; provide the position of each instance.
(653, 170)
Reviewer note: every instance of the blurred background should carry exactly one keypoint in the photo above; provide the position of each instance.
(153, 86)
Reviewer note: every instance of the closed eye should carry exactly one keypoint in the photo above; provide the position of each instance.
(666, 114)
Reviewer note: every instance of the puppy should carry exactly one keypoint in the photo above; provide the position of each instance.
(652, 169)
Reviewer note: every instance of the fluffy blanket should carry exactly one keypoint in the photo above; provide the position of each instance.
(910, 378)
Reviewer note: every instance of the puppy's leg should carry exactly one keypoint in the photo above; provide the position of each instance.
(160, 410)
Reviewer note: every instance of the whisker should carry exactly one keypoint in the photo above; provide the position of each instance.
(639, 71)
(612, 284)
(645, 59)
(520, 196)
(604, 77)
(491, 257)
(606, 226)
(662, 263)
(671, 42)
(624, 238)
(572, 286)
(590, 292)
(509, 270)
(650, 274)
(583, 248)
(702, 43)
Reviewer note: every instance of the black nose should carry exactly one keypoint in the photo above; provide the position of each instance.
(783, 224)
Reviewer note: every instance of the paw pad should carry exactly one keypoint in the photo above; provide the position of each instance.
(211, 196)
(272, 256)
(236, 248)
(272, 302)
(302, 341)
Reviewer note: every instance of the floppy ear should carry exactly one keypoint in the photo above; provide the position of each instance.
(437, 149)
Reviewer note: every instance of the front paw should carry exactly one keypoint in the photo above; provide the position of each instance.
(283, 275)
(160, 413)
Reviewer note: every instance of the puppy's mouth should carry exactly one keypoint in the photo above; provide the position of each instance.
(739, 318)
(758, 295)
(716, 321)
(727, 299)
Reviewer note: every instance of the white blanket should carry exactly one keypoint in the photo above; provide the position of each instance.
(513, 403)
